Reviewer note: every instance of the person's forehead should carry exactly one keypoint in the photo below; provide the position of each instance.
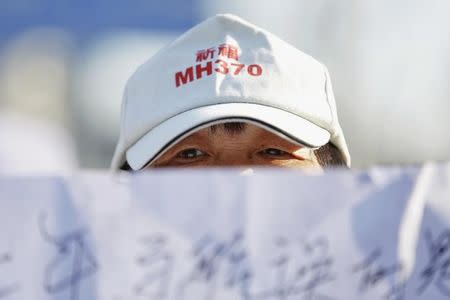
(232, 129)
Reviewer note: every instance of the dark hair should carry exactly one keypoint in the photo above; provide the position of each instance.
(328, 155)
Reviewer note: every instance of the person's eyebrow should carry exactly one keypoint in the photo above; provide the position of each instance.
(230, 128)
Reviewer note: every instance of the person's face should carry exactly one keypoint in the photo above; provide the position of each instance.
(244, 145)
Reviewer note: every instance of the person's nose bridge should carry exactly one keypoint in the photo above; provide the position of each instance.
(232, 162)
(235, 157)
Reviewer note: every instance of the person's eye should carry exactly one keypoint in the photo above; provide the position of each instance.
(190, 154)
(274, 152)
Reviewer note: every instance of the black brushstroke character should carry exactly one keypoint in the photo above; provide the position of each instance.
(10, 289)
(158, 263)
(73, 253)
(218, 264)
(318, 268)
(373, 273)
(300, 270)
(437, 270)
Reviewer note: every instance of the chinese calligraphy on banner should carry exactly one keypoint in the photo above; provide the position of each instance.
(218, 234)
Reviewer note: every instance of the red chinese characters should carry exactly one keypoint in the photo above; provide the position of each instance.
(221, 65)
(229, 51)
(205, 54)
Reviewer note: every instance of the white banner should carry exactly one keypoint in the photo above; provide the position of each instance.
(194, 235)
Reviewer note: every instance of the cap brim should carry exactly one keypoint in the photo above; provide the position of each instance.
(288, 125)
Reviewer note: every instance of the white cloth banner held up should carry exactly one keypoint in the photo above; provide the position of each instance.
(216, 234)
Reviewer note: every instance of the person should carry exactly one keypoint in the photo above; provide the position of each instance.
(228, 93)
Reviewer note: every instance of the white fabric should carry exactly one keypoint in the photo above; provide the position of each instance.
(217, 234)
(265, 71)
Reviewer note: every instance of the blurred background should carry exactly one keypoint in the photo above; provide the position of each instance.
(63, 66)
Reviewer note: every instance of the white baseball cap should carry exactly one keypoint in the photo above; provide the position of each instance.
(226, 69)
